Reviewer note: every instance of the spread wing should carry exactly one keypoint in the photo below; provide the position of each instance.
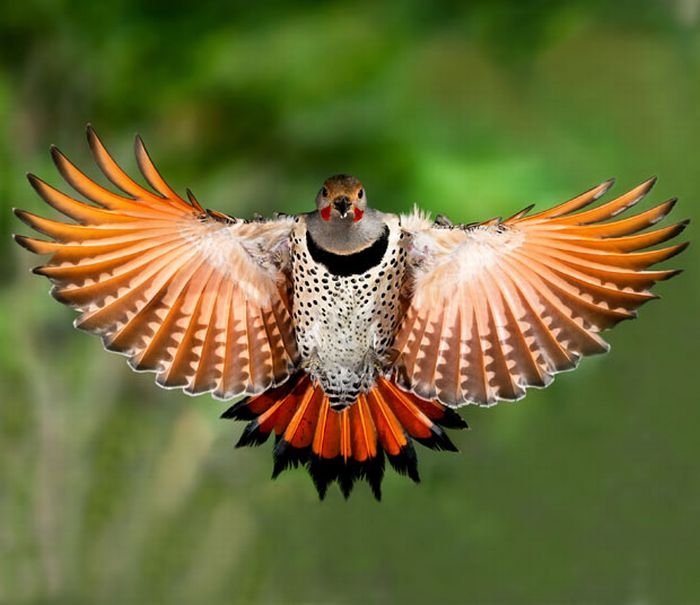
(504, 305)
(193, 295)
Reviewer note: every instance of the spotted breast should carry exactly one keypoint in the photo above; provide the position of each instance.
(346, 309)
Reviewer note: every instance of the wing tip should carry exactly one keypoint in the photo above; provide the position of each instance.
(40, 270)
(91, 135)
(676, 230)
(24, 216)
(25, 242)
(607, 185)
(671, 273)
(642, 191)
(650, 182)
(600, 190)
(193, 200)
(664, 209)
(36, 183)
(677, 249)
(60, 161)
(520, 214)
(139, 146)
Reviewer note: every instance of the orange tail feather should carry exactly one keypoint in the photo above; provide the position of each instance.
(348, 445)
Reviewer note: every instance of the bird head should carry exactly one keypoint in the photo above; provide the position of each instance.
(342, 198)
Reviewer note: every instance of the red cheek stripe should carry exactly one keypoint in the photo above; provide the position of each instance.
(357, 214)
(326, 213)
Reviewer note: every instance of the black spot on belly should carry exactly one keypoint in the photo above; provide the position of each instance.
(350, 264)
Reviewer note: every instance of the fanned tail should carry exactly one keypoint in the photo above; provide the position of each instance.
(348, 445)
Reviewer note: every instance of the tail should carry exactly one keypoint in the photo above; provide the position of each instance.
(348, 445)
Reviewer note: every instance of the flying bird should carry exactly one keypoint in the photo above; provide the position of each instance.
(348, 332)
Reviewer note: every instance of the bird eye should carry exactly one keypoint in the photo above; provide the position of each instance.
(324, 192)
(360, 194)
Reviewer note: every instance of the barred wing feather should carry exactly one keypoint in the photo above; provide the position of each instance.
(504, 305)
(200, 299)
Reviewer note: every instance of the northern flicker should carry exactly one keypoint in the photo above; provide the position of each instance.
(350, 333)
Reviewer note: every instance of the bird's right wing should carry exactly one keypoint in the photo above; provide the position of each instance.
(501, 306)
(195, 296)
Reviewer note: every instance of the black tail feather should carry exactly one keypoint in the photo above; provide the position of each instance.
(345, 471)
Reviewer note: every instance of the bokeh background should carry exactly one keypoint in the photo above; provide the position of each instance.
(114, 491)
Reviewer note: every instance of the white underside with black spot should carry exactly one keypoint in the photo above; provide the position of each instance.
(345, 324)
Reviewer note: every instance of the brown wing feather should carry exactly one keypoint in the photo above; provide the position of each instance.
(502, 306)
(201, 302)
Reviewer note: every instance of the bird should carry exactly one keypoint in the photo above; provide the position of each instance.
(347, 332)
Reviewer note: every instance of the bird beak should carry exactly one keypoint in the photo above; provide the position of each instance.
(342, 205)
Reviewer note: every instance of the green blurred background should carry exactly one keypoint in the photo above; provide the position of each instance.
(114, 491)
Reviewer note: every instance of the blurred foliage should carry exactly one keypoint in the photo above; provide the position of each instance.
(114, 491)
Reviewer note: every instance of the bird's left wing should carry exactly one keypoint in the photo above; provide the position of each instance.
(501, 306)
(193, 295)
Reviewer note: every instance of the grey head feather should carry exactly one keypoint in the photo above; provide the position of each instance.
(345, 236)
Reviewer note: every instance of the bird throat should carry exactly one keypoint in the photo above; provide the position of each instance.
(354, 263)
